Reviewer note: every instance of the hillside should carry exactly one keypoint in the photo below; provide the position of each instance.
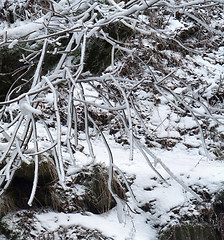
(111, 120)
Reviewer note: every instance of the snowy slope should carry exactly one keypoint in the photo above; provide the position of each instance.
(181, 124)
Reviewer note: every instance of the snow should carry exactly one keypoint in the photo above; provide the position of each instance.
(107, 223)
(23, 29)
(50, 98)
(184, 159)
(192, 142)
(13, 43)
(186, 164)
(174, 25)
(187, 122)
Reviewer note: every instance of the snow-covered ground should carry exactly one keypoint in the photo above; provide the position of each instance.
(159, 198)
(187, 165)
(178, 137)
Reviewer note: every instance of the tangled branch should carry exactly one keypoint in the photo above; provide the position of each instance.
(66, 30)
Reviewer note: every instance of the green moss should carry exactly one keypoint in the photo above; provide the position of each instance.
(119, 31)
(9, 62)
(191, 232)
(46, 172)
(11, 68)
(98, 54)
(18, 193)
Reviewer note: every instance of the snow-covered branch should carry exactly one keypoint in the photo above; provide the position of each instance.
(65, 86)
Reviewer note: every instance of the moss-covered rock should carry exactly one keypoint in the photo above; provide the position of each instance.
(98, 53)
(209, 225)
(95, 196)
(98, 56)
(10, 69)
(191, 232)
(16, 73)
(18, 193)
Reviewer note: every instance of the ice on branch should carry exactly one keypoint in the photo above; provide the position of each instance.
(13, 43)
(27, 109)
